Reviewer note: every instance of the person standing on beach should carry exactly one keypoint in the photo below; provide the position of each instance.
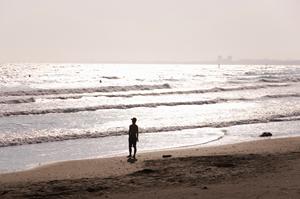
(133, 137)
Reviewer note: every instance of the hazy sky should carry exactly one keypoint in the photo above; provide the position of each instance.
(147, 30)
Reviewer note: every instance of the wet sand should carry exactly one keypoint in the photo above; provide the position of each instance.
(269, 168)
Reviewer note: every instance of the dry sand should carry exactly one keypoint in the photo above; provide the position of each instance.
(269, 168)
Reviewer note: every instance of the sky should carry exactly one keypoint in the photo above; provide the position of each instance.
(148, 30)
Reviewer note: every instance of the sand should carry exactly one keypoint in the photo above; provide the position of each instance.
(268, 168)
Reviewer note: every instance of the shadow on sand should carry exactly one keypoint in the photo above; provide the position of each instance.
(131, 160)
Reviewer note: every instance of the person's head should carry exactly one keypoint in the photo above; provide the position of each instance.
(133, 120)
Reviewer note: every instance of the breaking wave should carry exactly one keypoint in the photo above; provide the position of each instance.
(18, 101)
(283, 95)
(146, 105)
(38, 92)
(71, 136)
(280, 80)
(199, 91)
(31, 99)
(101, 107)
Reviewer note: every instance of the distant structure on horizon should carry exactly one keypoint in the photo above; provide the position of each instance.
(268, 62)
(229, 60)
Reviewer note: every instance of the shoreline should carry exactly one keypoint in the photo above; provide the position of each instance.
(217, 142)
(83, 149)
(267, 168)
(39, 173)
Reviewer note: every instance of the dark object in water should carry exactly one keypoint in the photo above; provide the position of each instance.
(266, 134)
(167, 156)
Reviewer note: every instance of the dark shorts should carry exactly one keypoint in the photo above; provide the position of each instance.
(132, 142)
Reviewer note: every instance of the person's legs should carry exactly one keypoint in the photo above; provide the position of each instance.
(130, 145)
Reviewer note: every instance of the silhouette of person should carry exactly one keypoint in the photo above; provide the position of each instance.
(133, 137)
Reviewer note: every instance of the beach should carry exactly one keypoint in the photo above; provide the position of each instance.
(267, 168)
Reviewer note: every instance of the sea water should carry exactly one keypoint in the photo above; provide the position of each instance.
(57, 112)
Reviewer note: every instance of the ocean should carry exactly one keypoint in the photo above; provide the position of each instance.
(59, 112)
